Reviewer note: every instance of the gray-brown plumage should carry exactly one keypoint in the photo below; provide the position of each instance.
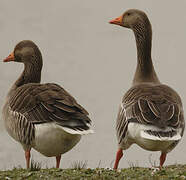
(151, 113)
(42, 116)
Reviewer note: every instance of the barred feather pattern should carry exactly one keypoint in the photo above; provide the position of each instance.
(23, 129)
(121, 125)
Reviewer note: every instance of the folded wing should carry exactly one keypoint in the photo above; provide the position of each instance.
(42, 103)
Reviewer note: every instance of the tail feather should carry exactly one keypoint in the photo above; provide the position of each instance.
(76, 131)
(161, 135)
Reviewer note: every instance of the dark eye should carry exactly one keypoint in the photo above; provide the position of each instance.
(128, 14)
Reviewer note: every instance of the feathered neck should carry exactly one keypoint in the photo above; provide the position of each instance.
(145, 72)
(30, 74)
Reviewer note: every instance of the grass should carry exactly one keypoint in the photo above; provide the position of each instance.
(35, 166)
(79, 165)
(173, 172)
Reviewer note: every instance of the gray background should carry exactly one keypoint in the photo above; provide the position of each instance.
(95, 62)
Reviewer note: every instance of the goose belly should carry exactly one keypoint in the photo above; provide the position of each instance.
(154, 145)
(137, 133)
(52, 140)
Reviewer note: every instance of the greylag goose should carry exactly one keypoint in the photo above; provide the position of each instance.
(41, 116)
(151, 113)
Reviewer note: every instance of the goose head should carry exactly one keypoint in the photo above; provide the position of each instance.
(132, 18)
(26, 52)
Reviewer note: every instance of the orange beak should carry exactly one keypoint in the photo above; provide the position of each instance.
(117, 21)
(9, 58)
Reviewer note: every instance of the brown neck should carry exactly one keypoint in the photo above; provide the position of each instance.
(31, 74)
(145, 72)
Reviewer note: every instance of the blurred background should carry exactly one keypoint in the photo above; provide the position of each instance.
(95, 62)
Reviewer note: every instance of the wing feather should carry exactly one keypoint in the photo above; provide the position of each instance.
(41, 103)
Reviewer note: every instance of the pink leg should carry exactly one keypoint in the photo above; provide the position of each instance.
(162, 159)
(27, 157)
(118, 157)
(58, 158)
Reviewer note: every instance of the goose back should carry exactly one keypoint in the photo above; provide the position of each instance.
(150, 104)
(41, 103)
